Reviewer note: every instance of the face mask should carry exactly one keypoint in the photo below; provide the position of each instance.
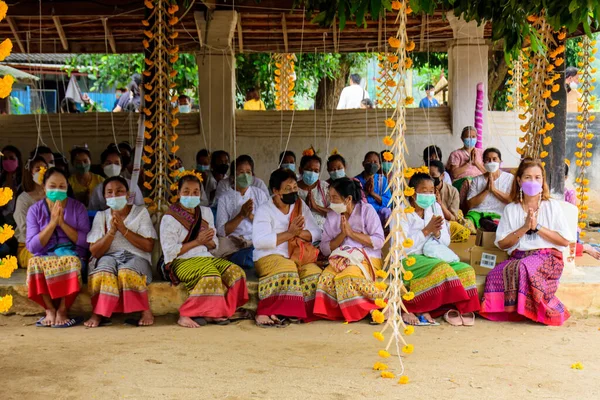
(386, 166)
(436, 182)
(37, 178)
(111, 170)
(202, 168)
(185, 109)
(56, 194)
(222, 169)
(338, 208)
(531, 188)
(244, 180)
(340, 173)
(51, 165)
(310, 177)
(10, 165)
(289, 198)
(82, 168)
(291, 167)
(371, 168)
(116, 203)
(432, 93)
(491, 166)
(573, 85)
(425, 200)
(190, 201)
(470, 142)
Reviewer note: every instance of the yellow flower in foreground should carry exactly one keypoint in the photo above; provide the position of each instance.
(7, 265)
(546, 94)
(582, 225)
(381, 285)
(383, 354)
(554, 103)
(379, 366)
(6, 195)
(396, 5)
(388, 141)
(378, 317)
(174, 149)
(390, 83)
(380, 303)
(410, 261)
(409, 210)
(409, 100)
(409, 191)
(577, 365)
(148, 124)
(147, 186)
(547, 141)
(146, 159)
(408, 296)
(3, 10)
(403, 380)
(409, 330)
(387, 375)
(394, 42)
(149, 4)
(174, 123)
(410, 46)
(5, 303)
(388, 156)
(6, 232)
(408, 349)
(148, 149)
(378, 336)
(5, 49)
(408, 275)
(408, 63)
(544, 154)
(390, 123)
(408, 173)
(6, 84)
(408, 243)
(381, 274)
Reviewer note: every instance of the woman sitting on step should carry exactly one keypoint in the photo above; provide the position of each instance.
(121, 242)
(217, 287)
(465, 163)
(57, 229)
(284, 258)
(352, 239)
(533, 230)
(438, 282)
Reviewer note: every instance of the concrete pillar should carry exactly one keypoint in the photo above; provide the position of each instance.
(467, 66)
(216, 83)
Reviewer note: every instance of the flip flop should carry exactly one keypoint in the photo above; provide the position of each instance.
(455, 320)
(131, 322)
(70, 323)
(423, 322)
(222, 323)
(242, 314)
(200, 321)
(468, 321)
(40, 323)
(264, 326)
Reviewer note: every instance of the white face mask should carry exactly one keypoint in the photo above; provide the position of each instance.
(491, 166)
(432, 93)
(111, 170)
(573, 85)
(338, 208)
(37, 178)
(185, 108)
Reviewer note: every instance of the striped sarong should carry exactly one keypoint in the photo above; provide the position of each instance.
(56, 276)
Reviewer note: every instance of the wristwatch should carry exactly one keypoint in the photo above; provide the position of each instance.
(532, 231)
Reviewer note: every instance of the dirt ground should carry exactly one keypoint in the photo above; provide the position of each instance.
(321, 360)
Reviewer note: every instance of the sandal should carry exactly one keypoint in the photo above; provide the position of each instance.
(200, 321)
(40, 323)
(468, 321)
(242, 314)
(453, 318)
(70, 323)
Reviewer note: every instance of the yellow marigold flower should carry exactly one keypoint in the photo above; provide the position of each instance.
(522, 139)
(149, 34)
(544, 154)
(587, 163)
(6, 84)
(148, 124)
(148, 98)
(173, 60)
(147, 186)
(408, 349)
(588, 154)
(522, 116)
(378, 336)
(547, 141)
(6, 303)
(559, 61)
(7, 266)
(388, 156)
(174, 149)
(145, 22)
(520, 150)
(550, 68)
(586, 181)
(394, 42)
(147, 111)
(392, 59)
(579, 118)
(148, 149)
(387, 375)
(277, 72)
(396, 5)
(408, 243)
(589, 146)
(408, 10)
(408, 275)
(149, 4)
(523, 128)
(390, 83)
(577, 365)
(408, 63)
(5, 49)
(562, 35)
(388, 141)
(592, 118)
(408, 173)
(551, 115)
(409, 330)
(532, 18)
(149, 174)
(6, 232)
(174, 35)
(173, 21)
(410, 46)
(409, 210)
(390, 123)
(6, 195)
(409, 100)
(383, 354)
(174, 123)
(147, 200)
(403, 380)
(173, 9)
(380, 285)
(541, 132)
(380, 303)
(146, 159)
(546, 94)
(409, 191)
(408, 296)
(379, 366)
(582, 225)
(146, 73)
(174, 137)
(410, 261)
(378, 316)
(381, 274)
(589, 136)
(555, 88)
(579, 163)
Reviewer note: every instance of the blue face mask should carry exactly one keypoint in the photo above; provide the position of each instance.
(202, 168)
(470, 142)
(116, 203)
(190, 201)
(386, 166)
(340, 173)
(425, 200)
(56, 194)
(291, 167)
(310, 177)
(185, 108)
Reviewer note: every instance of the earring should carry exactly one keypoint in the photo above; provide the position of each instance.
(521, 194)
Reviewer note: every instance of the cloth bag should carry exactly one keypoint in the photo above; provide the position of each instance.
(434, 249)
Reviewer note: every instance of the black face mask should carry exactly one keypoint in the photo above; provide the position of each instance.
(436, 182)
(222, 169)
(371, 168)
(289, 198)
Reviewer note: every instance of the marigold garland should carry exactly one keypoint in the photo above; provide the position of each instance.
(6, 232)
(284, 81)
(7, 266)
(6, 303)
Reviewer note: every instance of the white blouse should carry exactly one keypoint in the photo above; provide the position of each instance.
(491, 203)
(550, 216)
(172, 235)
(414, 225)
(24, 201)
(225, 186)
(230, 204)
(138, 221)
(269, 221)
(321, 195)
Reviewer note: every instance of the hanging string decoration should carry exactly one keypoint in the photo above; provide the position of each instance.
(7, 81)
(514, 100)
(585, 118)
(160, 116)
(388, 65)
(539, 82)
(392, 278)
(285, 80)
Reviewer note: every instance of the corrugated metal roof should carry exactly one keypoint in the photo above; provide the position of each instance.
(39, 58)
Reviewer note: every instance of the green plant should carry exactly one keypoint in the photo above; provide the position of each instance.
(16, 107)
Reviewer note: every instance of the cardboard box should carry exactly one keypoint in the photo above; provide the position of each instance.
(484, 260)
(486, 240)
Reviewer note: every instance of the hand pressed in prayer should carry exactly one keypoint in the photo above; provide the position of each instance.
(56, 215)
(369, 185)
(297, 226)
(204, 237)
(247, 208)
(117, 222)
(345, 225)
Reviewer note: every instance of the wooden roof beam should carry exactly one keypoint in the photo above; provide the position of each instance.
(285, 33)
(239, 33)
(423, 22)
(15, 32)
(61, 33)
(109, 35)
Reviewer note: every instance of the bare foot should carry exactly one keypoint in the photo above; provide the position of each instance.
(94, 321)
(264, 320)
(187, 322)
(591, 251)
(61, 317)
(147, 318)
(214, 320)
(410, 319)
(50, 317)
(428, 318)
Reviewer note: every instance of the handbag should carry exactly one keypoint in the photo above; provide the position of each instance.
(301, 251)
(434, 249)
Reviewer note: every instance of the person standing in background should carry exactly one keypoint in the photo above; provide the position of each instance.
(572, 84)
(429, 101)
(353, 95)
(253, 101)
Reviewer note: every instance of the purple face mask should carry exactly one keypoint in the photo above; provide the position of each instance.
(531, 188)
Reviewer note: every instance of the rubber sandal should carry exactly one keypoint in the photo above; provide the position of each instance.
(222, 323)
(70, 323)
(264, 326)
(40, 323)
(200, 321)
(131, 322)
(423, 322)
(242, 314)
(468, 321)
(453, 320)
(283, 323)
(105, 322)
